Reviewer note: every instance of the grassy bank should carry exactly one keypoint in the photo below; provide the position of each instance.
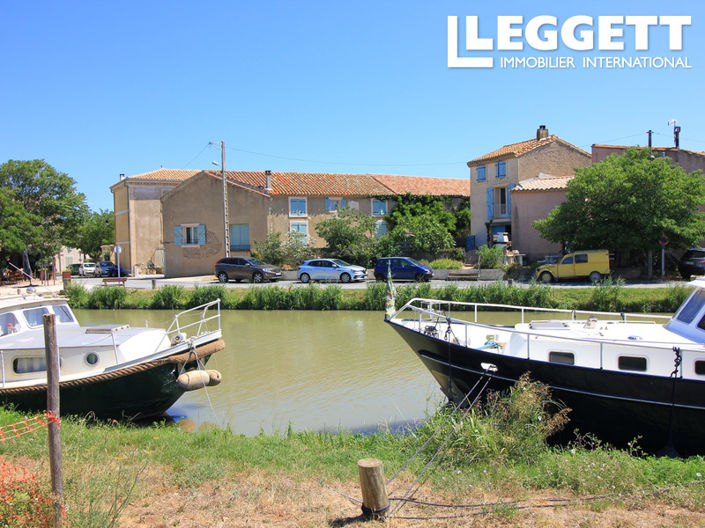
(608, 296)
(158, 476)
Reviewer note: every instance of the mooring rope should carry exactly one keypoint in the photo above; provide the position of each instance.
(412, 489)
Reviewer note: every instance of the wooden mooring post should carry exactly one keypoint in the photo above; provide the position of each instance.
(52, 360)
(375, 502)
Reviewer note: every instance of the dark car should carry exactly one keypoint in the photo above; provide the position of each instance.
(245, 268)
(107, 268)
(692, 263)
(402, 268)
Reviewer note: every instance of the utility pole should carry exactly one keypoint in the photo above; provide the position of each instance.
(226, 221)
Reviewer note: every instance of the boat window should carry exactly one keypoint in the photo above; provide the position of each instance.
(637, 364)
(29, 364)
(692, 307)
(8, 324)
(565, 358)
(35, 316)
(700, 368)
(63, 314)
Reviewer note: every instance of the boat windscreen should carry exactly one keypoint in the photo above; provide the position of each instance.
(692, 307)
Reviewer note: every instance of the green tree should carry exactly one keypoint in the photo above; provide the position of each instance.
(97, 230)
(17, 226)
(270, 250)
(629, 202)
(455, 218)
(49, 198)
(349, 236)
(296, 249)
(421, 236)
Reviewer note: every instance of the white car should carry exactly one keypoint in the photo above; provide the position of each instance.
(87, 269)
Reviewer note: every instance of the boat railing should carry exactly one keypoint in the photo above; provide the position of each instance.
(178, 326)
(435, 315)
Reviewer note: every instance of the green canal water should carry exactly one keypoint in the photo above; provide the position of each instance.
(309, 370)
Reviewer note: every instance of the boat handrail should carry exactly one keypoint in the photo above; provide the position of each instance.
(684, 346)
(524, 309)
(176, 327)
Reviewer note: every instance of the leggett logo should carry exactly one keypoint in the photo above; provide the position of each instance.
(578, 33)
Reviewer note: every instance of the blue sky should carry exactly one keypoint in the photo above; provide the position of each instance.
(102, 88)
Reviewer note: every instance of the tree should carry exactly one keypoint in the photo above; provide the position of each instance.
(349, 236)
(456, 219)
(49, 199)
(97, 230)
(421, 235)
(629, 202)
(17, 226)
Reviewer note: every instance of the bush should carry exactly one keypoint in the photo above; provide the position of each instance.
(23, 502)
(446, 263)
(168, 298)
(490, 257)
(270, 250)
(206, 294)
(110, 297)
(77, 295)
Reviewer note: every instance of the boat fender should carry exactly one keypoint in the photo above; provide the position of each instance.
(193, 380)
(214, 378)
(178, 338)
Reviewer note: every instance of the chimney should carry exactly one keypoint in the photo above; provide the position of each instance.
(268, 175)
(122, 175)
(676, 136)
(542, 132)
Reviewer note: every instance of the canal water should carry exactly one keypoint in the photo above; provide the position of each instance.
(308, 370)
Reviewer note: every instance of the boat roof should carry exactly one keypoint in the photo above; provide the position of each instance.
(21, 301)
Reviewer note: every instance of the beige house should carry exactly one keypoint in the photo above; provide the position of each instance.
(266, 202)
(138, 217)
(496, 174)
(689, 160)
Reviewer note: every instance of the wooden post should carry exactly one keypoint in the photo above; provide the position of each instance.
(52, 360)
(375, 502)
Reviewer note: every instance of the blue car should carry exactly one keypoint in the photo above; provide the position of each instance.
(330, 270)
(106, 268)
(404, 268)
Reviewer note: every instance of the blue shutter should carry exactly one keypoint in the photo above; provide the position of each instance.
(329, 205)
(177, 235)
(201, 235)
(509, 199)
(240, 237)
(490, 203)
(343, 203)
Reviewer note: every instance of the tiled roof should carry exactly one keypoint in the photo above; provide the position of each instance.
(422, 185)
(515, 150)
(655, 149)
(544, 182)
(327, 184)
(161, 175)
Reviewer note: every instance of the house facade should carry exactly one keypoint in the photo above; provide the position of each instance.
(138, 218)
(264, 202)
(496, 174)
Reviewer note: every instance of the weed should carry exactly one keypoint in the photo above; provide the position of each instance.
(169, 297)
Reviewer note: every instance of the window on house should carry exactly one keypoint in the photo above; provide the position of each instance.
(502, 201)
(333, 204)
(481, 173)
(240, 237)
(299, 227)
(190, 235)
(637, 364)
(380, 228)
(379, 207)
(297, 207)
(501, 169)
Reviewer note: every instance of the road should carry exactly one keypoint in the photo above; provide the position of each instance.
(158, 281)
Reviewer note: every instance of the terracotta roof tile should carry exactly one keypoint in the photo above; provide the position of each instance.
(161, 175)
(420, 185)
(515, 150)
(544, 182)
(328, 184)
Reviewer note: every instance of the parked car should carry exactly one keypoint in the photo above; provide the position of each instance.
(87, 269)
(74, 268)
(245, 268)
(692, 263)
(107, 268)
(593, 264)
(404, 268)
(330, 269)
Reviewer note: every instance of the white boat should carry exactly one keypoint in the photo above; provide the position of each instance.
(624, 376)
(109, 371)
